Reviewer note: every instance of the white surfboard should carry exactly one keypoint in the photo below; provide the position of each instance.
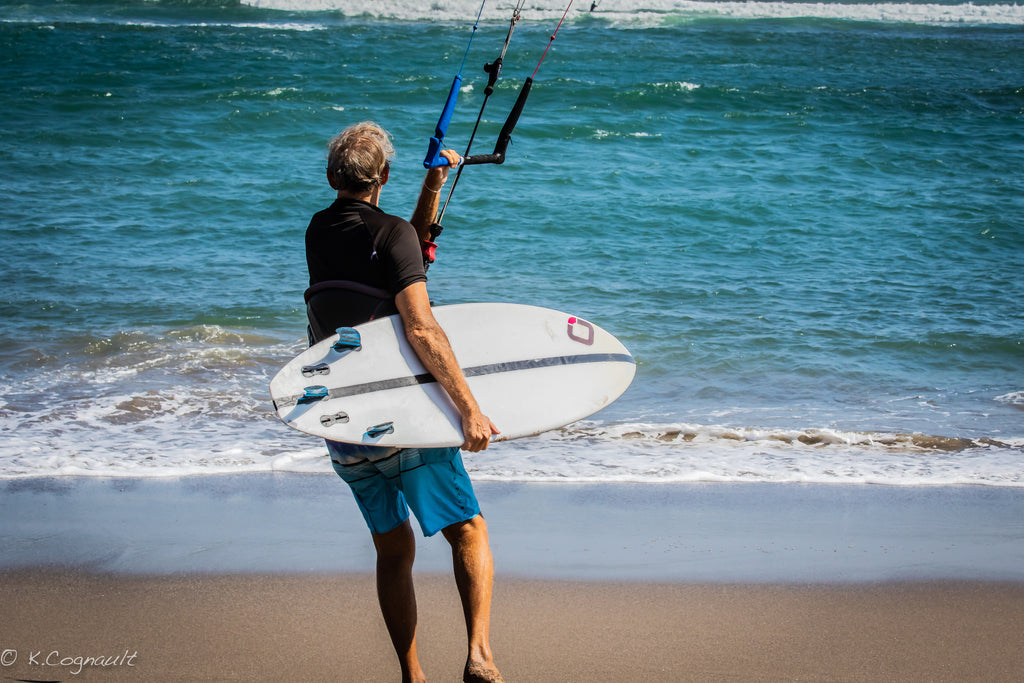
(531, 369)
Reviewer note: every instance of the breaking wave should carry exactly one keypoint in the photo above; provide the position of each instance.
(650, 13)
(632, 452)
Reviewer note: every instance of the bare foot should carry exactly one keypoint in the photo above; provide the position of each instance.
(480, 673)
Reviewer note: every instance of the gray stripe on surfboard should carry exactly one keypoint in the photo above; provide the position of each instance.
(475, 371)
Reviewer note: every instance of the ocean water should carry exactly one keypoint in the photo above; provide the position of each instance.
(806, 221)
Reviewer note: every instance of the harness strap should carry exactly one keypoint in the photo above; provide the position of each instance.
(350, 285)
(343, 303)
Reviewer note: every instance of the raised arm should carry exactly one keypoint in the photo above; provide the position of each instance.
(430, 195)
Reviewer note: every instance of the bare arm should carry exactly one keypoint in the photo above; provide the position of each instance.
(430, 195)
(435, 352)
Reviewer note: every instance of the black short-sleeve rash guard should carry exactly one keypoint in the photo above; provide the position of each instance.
(355, 240)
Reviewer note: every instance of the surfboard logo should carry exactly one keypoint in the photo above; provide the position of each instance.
(587, 339)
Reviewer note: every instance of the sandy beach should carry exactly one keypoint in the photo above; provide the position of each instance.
(326, 628)
(267, 578)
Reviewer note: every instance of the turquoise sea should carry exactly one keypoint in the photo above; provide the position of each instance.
(806, 221)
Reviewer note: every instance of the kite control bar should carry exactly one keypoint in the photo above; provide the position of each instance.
(505, 136)
(434, 158)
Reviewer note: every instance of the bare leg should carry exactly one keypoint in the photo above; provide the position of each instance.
(474, 575)
(396, 550)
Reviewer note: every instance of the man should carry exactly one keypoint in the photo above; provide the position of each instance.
(366, 263)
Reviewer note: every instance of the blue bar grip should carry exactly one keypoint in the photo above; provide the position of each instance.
(434, 158)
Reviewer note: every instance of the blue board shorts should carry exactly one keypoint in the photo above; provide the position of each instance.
(387, 482)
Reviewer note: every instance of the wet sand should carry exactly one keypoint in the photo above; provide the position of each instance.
(739, 533)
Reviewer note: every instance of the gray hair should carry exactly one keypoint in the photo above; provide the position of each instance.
(356, 156)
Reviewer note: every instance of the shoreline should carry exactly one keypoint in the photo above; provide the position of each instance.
(734, 533)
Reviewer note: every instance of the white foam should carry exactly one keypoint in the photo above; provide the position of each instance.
(883, 12)
(691, 453)
(621, 14)
(188, 433)
(1014, 398)
(195, 401)
(186, 401)
(682, 86)
(44, 23)
(659, 12)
